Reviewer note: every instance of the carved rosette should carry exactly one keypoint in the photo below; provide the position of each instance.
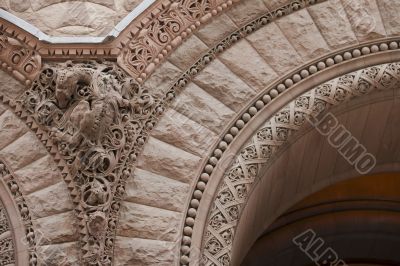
(95, 114)
(22, 61)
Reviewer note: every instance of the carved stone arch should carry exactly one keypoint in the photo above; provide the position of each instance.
(292, 175)
(12, 230)
(34, 183)
(237, 183)
(199, 75)
(140, 38)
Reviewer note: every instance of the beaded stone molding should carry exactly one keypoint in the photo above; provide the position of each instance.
(238, 180)
(99, 201)
(260, 101)
(7, 177)
(7, 252)
(263, 99)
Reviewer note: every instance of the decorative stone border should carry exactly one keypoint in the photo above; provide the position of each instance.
(238, 180)
(8, 177)
(16, 58)
(144, 48)
(61, 165)
(7, 239)
(310, 70)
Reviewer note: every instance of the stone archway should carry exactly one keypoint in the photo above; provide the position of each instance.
(196, 63)
(237, 184)
(356, 219)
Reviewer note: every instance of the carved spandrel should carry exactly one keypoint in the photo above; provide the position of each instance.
(95, 114)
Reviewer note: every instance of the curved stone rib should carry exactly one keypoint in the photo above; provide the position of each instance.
(20, 147)
(238, 180)
(7, 177)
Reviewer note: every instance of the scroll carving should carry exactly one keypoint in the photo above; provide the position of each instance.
(95, 114)
(142, 51)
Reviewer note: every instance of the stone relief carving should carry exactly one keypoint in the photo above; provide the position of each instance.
(95, 114)
(30, 238)
(22, 61)
(239, 178)
(7, 253)
(165, 30)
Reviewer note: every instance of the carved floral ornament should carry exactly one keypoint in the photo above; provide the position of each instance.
(95, 114)
(143, 44)
(72, 101)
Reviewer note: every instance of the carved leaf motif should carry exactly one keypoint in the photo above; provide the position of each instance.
(95, 113)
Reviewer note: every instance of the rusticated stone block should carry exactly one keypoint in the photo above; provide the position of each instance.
(332, 21)
(23, 151)
(303, 34)
(203, 108)
(365, 19)
(167, 160)
(136, 251)
(219, 81)
(56, 229)
(11, 128)
(9, 86)
(390, 13)
(39, 174)
(216, 30)
(247, 64)
(157, 191)
(138, 221)
(275, 48)
(188, 52)
(178, 130)
(49, 201)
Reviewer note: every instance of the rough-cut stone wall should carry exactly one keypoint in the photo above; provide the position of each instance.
(71, 18)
